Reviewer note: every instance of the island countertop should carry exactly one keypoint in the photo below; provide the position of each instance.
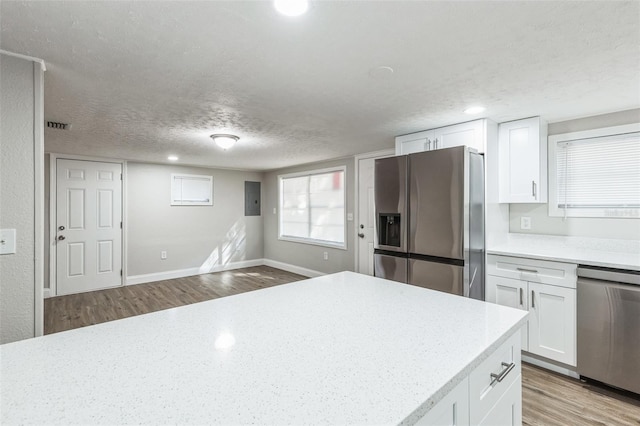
(338, 349)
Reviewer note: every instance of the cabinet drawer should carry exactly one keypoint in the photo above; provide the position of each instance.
(484, 390)
(540, 271)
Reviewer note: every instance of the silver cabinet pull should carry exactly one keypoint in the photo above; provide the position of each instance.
(500, 377)
(435, 143)
(521, 292)
(533, 271)
(533, 189)
(428, 145)
(533, 300)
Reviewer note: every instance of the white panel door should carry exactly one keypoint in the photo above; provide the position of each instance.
(512, 293)
(88, 226)
(366, 219)
(552, 322)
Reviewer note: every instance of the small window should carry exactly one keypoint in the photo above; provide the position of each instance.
(191, 190)
(312, 207)
(595, 173)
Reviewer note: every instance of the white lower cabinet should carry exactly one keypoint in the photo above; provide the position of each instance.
(490, 395)
(547, 290)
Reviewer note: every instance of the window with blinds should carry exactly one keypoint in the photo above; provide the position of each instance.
(597, 176)
(312, 207)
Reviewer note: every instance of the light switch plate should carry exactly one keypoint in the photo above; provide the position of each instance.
(7, 241)
(525, 222)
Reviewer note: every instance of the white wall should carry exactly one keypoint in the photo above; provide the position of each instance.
(542, 223)
(19, 143)
(202, 237)
(308, 256)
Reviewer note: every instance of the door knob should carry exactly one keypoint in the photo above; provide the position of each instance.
(361, 235)
(61, 237)
(61, 228)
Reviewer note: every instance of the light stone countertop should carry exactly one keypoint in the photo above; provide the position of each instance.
(608, 253)
(338, 349)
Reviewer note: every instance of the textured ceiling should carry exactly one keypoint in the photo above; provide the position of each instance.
(142, 80)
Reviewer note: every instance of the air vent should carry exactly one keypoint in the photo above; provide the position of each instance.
(60, 126)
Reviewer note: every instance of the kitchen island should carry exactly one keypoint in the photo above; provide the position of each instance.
(338, 349)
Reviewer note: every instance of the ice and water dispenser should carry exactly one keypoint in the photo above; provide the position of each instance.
(389, 229)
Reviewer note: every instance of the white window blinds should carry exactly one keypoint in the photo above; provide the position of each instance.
(599, 177)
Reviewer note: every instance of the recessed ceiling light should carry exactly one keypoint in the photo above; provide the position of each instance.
(474, 110)
(381, 73)
(172, 158)
(291, 7)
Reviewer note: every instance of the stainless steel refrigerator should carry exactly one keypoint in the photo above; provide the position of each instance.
(429, 210)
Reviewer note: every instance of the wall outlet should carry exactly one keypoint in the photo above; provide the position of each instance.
(274, 210)
(525, 222)
(326, 255)
(163, 255)
(7, 241)
(349, 217)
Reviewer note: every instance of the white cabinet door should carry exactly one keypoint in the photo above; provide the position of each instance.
(522, 159)
(452, 410)
(470, 134)
(511, 293)
(508, 410)
(552, 322)
(415, 142)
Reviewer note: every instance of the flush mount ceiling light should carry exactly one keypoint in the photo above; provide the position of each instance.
(172, 158)
(474, 110)
(291, 7)
(225, 141)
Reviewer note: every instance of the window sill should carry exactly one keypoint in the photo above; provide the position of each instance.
(314, 242)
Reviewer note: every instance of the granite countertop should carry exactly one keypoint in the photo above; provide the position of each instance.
(338, 349)
(608, 253)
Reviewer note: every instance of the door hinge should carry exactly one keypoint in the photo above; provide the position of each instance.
(120, 225)
(120, 272)
(120, 176)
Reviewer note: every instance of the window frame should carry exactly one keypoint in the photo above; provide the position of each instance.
(553, 142)
(313, 241)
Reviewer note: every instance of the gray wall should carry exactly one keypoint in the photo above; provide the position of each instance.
(17, 194)
(193, 236)
(542, 223)
(307, 255)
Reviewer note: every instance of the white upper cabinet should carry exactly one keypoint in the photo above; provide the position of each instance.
(522, 158)
(472, 134)
(415, 142)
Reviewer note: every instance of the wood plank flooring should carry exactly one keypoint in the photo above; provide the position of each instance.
(549, 399)
(79, 310)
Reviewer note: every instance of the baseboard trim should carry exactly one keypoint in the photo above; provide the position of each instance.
(180, 273)
(567, 371)
(292, 268)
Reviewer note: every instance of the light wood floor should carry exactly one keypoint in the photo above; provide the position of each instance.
(549, 399)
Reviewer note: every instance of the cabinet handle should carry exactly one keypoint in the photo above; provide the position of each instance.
(521, 292)
(533, 271)
(533, 300)
(500, 377)
(533, 189)
(435, 143)
(428, 145)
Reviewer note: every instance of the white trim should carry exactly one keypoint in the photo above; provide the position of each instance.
(46, 293)
(292, 268)
(43, 66)
(356, 215)
(53, 189)
(38, 166)
(312, 241)
(553, 142)
(180, 273)
(526, 357)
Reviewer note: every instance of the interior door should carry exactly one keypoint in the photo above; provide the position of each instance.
(366, 219)
(88, 226)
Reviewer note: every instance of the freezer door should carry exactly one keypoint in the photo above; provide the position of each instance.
(390, 267)
(437, 202)
(437, 276)
(390, 189)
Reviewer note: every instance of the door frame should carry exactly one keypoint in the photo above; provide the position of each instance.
(375, 154)
(53, 189)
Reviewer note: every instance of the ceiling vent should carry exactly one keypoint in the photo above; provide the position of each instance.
(59, 126)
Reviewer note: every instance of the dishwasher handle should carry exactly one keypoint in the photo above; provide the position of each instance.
(609, 274)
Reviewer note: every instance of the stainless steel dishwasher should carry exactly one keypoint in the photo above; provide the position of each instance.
(609, 326)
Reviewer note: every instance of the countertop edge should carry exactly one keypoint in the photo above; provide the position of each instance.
(573, 260)
(426, 406)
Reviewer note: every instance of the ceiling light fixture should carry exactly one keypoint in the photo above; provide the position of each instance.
(172, 158)
(474, 110)
(225, 141)
(291, 7)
